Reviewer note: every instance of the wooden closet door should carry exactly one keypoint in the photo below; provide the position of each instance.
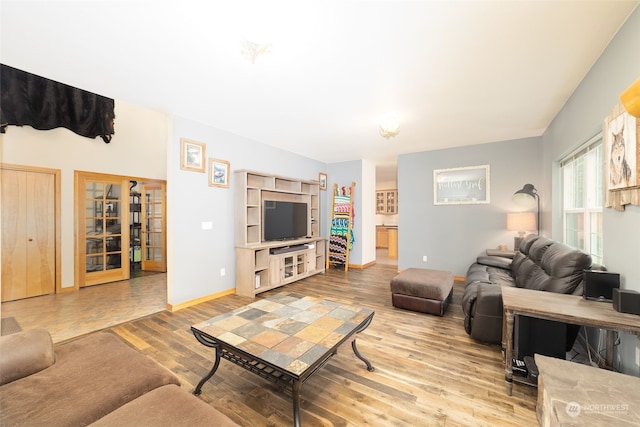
(28, 234)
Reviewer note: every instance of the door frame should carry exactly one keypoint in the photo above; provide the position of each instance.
(79, 274)
(154, 265)
(57, 212)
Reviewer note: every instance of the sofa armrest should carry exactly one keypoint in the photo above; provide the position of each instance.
(486, 314)
(24, 353)
(495, 261)
(501, 253)
(489, 300)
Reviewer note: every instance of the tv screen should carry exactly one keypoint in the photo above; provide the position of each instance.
(284, 220)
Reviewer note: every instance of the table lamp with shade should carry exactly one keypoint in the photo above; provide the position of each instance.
(520, 222)
(526, 198)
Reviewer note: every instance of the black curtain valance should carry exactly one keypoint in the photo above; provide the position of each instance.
(44, 104)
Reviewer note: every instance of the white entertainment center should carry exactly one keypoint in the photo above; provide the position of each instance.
(263, 265)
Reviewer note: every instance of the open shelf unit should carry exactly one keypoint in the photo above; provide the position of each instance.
(260, 265)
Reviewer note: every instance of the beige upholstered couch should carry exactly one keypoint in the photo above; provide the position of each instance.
(94, 380)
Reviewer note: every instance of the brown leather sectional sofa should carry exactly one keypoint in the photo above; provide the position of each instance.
(539, 263)
(94, 380)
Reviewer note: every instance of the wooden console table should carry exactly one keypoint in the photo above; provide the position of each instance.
(571, 309)
(575, 394)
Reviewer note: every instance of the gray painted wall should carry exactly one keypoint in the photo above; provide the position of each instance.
(452, 236)
(581, 118)
(196, 255)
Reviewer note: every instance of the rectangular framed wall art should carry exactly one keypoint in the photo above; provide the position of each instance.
(461, 186)
(192, 155)
(322, 178)
(621, 136)
(218, 173)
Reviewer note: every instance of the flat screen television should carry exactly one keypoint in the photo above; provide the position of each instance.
(284, 220)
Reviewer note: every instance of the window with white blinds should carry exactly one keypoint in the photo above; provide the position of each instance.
(582, 175)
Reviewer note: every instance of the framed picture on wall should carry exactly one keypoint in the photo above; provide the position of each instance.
(218, 173)
(192, 155)
(621, 149)
(322, 178)
(460, 186)
(621, 135)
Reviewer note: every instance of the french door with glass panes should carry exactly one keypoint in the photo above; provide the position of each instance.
(103, 228)
(154, 227)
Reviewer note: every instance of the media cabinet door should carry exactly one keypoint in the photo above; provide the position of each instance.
(275, 270)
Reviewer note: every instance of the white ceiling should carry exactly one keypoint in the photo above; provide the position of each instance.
(455, 72)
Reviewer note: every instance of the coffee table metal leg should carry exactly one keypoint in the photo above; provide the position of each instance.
(209, 343)
(213, 370)
(295, 391)
(370, 368)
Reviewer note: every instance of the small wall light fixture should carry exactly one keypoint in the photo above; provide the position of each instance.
(527, 197)
(389, 125)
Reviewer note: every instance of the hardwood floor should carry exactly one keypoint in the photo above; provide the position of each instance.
(382, 257)
(428, 372)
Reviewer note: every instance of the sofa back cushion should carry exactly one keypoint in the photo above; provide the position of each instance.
(529, 270)
(522, 253)
(565, 267)
(539, 247)
(24, 353)
(547, 265)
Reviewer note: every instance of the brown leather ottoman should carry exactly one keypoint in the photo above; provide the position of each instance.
(423, 290)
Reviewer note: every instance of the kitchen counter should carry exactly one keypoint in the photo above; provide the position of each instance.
(393, 242)
(387, 238)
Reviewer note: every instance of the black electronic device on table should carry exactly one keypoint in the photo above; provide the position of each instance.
(626, 301)
(599, 285)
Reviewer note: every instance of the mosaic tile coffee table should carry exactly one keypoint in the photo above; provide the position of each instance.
(285, 338)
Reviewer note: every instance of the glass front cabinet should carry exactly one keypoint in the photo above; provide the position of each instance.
(387, 202)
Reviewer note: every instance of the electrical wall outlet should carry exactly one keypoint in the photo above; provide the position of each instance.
(222, 272)
(424, 258)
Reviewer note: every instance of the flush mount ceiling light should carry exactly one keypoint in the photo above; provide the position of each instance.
(389, 126)
(251, 50)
